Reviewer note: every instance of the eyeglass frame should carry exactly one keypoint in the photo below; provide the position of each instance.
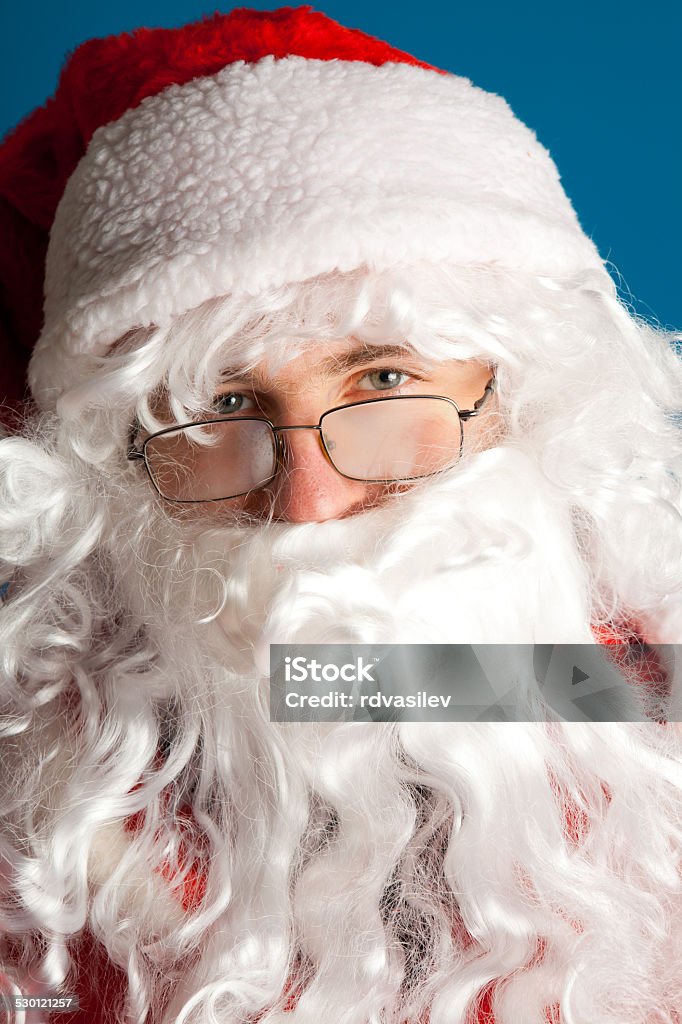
(134, 454)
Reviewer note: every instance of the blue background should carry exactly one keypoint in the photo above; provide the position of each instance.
(600, 83)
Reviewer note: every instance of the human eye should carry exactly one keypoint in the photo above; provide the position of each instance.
(383, 379)
(232, 402)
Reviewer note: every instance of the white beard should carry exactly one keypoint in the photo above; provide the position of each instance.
(486, 555)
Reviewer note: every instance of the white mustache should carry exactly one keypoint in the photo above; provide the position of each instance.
(485, 554)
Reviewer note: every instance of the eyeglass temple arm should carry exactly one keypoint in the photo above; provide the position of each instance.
(468, 414)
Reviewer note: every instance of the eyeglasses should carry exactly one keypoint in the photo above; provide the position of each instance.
(379, 440)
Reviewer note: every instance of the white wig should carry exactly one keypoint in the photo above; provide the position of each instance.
(236, 870)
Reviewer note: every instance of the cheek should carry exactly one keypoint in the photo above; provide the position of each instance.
(268, 502)
(257, 504)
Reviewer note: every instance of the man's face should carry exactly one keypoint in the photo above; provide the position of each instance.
(482, 554)
(307, 487)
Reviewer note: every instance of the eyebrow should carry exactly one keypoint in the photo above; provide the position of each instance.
(331, 364)
(365, 354)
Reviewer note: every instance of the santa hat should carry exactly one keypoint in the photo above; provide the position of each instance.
(246, 151)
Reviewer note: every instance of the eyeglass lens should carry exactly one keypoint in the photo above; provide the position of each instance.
(395, 439)
(384, 440)
(212, 461)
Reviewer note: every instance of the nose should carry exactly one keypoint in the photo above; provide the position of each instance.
(307, 488)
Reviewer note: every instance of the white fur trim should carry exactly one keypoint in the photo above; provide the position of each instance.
(281, 170)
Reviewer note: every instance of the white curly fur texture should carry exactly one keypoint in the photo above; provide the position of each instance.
(284, 169)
